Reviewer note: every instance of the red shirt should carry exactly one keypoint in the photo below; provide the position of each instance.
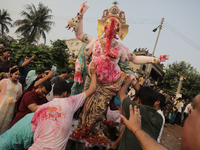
(29, 98)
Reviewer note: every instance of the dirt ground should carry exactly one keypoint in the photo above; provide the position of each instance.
(171, 137)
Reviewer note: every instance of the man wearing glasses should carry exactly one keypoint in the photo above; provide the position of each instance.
(32, 100)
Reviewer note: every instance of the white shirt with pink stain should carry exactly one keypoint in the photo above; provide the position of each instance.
(52, 122)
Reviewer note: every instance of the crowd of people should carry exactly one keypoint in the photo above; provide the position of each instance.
(36, 111)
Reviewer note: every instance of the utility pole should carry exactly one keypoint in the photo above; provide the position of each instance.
(160, 27)
(154, 30)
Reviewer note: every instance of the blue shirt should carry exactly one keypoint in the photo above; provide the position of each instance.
(19, 136)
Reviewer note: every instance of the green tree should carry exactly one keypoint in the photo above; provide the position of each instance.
(60, 53)
(47, 56)
(5, 21)
(191, 84)
(35, 23)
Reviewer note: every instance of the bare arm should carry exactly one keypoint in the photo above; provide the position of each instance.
(115, 144)
(93, 84)
(33, 107)
(49, 76)
(28, 61)
(134, 124)
(122, 91)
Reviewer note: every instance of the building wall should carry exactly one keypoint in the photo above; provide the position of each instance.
(75, 45)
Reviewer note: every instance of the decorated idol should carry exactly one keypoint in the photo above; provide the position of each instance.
(110, 56)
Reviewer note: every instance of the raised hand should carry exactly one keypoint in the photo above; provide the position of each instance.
(83, 8)
(134, 122)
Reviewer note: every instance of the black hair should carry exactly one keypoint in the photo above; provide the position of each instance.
(28, 55)
(47, 85)
(179, 98)
(147, 96)
(12, 65)
(66, 70)
(46, 69)
(6, 49)
(60, 87)
(13, 70)
(161, 98)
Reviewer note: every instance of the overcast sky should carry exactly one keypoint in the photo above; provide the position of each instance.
(179, 37)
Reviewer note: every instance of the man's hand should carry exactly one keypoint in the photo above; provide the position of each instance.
(134, 121)
(33, 57)
(93, 68)
(128, 80)
(51, 74)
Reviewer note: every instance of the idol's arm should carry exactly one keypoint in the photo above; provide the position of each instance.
(146, 59)
(77, 24)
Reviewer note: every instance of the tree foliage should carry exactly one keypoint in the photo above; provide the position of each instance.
(5, 21)
(56, 55)
(191, 84)
(35, 23)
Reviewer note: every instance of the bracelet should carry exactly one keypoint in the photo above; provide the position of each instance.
(136, 131)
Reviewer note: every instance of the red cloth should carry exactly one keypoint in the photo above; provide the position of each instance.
(28, 99)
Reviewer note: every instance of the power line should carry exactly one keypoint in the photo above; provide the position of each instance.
(180, 35)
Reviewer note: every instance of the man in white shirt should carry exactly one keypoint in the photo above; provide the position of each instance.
(158, 105)
(187, 111)
(52, 121)
(180, 109)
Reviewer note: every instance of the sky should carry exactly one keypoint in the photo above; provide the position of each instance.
(179, 36)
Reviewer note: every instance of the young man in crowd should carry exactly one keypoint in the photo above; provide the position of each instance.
(32, 100)
(187, 111)
(179, 112)
(151, 120)
(65, 75)
(52, 121)
(158, 105)
(24, 68)
(66, 72)
(190, 137)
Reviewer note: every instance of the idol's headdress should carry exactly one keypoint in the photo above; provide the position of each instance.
(113, 12)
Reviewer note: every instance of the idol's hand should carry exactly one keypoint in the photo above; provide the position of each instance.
(83, 8)
(164, 57)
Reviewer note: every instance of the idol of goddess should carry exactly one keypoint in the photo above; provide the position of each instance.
(107, 53)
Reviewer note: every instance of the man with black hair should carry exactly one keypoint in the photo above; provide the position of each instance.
(24, 68)
(66, 72)
(151, 120)
(65, 75)
(52, 121)
(158, 105)
(32, 100)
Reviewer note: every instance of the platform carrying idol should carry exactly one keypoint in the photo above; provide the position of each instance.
(110, 56)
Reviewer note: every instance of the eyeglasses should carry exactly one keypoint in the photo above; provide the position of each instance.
(46, 73)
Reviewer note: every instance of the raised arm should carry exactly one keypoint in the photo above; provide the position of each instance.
(145, 59)
(77, 24)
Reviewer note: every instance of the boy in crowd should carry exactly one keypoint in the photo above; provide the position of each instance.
(52, 121)
(151, 120)
(24, 68)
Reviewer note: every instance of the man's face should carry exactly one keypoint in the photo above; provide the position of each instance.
(45, 73)
(41, 92)
(26, 58)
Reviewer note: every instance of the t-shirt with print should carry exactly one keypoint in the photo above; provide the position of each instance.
(52, 122)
